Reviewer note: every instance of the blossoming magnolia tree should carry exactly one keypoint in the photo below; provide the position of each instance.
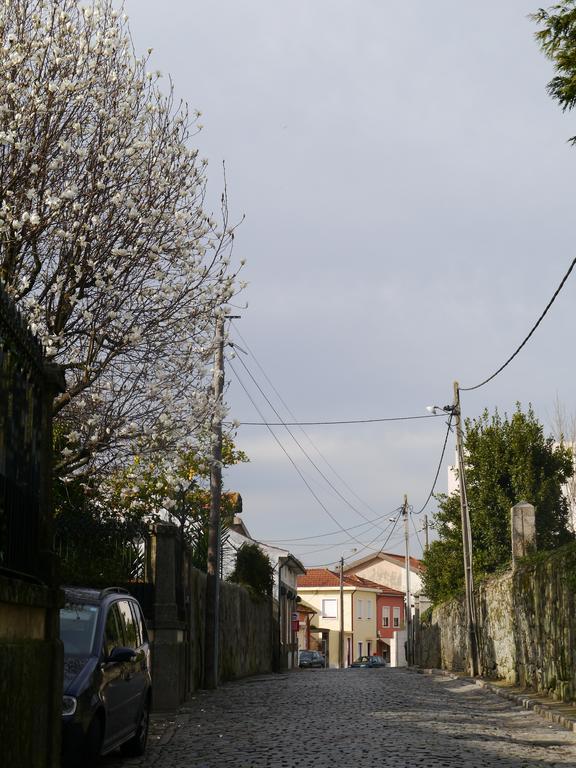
(104, 238)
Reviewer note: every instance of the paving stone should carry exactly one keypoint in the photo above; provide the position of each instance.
(352, 719)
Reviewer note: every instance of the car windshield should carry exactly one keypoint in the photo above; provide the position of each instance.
(306, 655)
(77, 628)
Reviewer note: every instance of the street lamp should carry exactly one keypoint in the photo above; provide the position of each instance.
(455, 411)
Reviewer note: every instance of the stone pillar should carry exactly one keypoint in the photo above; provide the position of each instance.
(523, 528)
(168, 631)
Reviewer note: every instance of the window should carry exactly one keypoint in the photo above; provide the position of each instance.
(113, 631)
(385, 615)
(396, 616)
(128, 623)
(137, 616)
(369, 647)
(358, 608)
(360, 648)
(368, 612)
(77, 628)
(330, 608)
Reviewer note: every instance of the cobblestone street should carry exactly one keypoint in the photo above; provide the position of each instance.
(348, 718)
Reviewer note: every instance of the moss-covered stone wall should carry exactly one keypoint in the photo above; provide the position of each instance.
(245, 633)
(526, 626)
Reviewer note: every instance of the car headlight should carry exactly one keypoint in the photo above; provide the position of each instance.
(68, 705)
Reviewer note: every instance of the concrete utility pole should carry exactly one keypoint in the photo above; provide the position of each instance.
(341, 645)
(212, 629)
(466, 537)
(408, 597)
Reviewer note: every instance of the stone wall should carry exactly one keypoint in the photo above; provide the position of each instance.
(247, 633)
(526, 627)
(30, 675)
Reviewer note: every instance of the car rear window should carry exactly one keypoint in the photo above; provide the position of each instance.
(77, 628)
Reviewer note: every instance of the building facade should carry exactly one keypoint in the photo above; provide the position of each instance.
(319, 590)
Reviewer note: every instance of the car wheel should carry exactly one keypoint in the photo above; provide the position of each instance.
(93, 743)
(137, 744)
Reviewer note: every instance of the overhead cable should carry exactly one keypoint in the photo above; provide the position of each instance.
(416, 532)
(344, 421)
(301, 447)
(448, 430)
(542, 316)
(295, 422)
(332, 533)
(296, 467)
(355, 554)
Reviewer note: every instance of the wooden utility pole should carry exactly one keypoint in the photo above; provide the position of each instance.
(466, 537)
(212, 628)
(341, 645)
(408, 597)
(426, 533)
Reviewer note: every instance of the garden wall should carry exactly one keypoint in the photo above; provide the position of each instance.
(176, 618)
(526, 627)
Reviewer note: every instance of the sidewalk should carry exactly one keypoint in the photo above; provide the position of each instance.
(555, 711)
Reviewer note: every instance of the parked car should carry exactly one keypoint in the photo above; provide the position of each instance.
(107, 683)
(310, 659)
(369, 662)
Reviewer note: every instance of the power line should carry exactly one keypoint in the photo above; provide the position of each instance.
(290, 412)
(325, 565)
(542, 316)
(306, 483)
(324, 423)
(416, 532)
(339, 544)
(448, 430)
(331, 533)
(391, 532)
(301, 447)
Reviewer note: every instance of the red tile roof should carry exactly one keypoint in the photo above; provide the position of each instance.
(319, 577)
(323, 577)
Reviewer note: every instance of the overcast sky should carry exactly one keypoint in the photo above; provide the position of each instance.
(408, 191)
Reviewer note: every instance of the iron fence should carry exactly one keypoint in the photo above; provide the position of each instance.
(22, 441)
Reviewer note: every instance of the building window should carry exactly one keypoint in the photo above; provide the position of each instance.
(360, 648)
(368, 610)
(396, 616)
(358, 608)
(330, 608)
(368, 647)
(385, 615)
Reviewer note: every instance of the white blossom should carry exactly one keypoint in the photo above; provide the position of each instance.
(118, 266)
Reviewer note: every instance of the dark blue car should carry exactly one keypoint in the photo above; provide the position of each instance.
(107, 683)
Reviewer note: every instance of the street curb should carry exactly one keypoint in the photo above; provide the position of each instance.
(547, 708)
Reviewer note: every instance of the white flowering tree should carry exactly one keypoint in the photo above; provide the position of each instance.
(104, 238)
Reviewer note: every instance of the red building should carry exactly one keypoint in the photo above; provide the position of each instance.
(389, 618)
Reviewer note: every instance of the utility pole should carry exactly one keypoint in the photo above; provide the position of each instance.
(212, 629)
(408, 598)
(341, 646)
(466, 537)
(426, 533)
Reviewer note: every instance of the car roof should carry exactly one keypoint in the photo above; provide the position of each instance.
(94, 596)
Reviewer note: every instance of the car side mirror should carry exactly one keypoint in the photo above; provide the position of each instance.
(120, 655)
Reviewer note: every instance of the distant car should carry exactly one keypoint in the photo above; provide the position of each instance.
(107, 683)
(369, 662)
(310, 659)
